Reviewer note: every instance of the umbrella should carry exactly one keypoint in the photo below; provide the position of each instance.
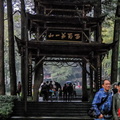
(68, 82)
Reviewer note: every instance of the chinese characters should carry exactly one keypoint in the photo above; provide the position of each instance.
(64, 36)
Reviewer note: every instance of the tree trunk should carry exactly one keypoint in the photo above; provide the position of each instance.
(11, 49)
(2, 80)
(114, 65)
(23, 56)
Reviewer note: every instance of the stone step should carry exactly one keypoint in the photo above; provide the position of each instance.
(50, 118)
(59, 104)
(34, 107)
(51, 110)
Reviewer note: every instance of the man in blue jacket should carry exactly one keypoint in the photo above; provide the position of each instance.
(102, 102)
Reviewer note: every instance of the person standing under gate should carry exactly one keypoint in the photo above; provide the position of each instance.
(102, 102)
(51, 92)
(116, 104)
(19, 87)
(44, 91)
(70, 91)
(65, 92)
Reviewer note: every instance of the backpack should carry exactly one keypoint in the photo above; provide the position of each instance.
(92, 112)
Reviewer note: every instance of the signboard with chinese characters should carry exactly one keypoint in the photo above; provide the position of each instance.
(29, 80)
(67, 36)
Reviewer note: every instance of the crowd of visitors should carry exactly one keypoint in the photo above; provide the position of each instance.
(53, 89)
(68, 91)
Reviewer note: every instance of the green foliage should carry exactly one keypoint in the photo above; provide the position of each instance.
(107, 31)
(109, 8)
(107, 35)
(6, 106)
(60, 74)
(106, 67)
(66, 72)
(17, 32)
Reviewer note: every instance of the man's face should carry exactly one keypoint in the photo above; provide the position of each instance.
(106, 85)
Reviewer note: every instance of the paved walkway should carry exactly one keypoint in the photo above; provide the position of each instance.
(77, 99)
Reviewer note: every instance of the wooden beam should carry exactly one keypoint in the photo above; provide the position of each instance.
(68, 3)
(56, 48)
(89, 63)
(84, 68)
(64, 19)
(63, 61)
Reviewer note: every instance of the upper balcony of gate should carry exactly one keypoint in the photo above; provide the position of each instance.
(65, 7)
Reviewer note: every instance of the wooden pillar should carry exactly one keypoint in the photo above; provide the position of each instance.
(97, 8)
(23, 73)
(91, 84)
(98, 33)
(98, 38)
(38, 78)
(84, 83)
(38, 33)
(26, 64)
(97, 13)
